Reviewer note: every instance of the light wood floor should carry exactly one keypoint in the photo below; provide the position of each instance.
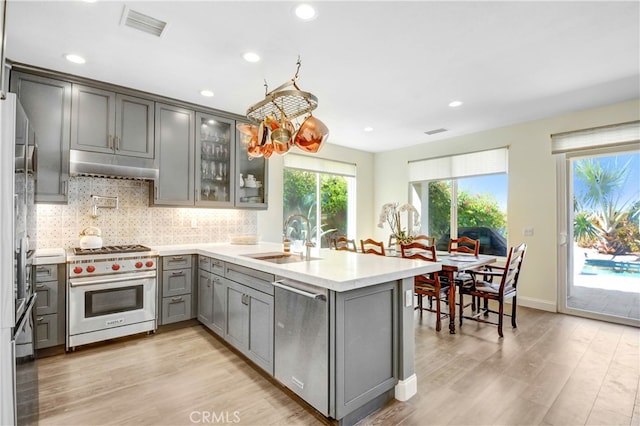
(553, 370)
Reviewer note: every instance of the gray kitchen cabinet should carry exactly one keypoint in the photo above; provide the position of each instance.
(215, 168)
(47, 102)
(249, 314)
(251, 194)
(176, 289)
(50, 311)
(211, 294)
(205, 297)
(175, 144)
(111, 123)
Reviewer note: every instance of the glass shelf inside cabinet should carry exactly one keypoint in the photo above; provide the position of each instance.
(215, 159)
(251, 175)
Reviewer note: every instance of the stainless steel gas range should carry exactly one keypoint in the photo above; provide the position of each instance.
(111, 292)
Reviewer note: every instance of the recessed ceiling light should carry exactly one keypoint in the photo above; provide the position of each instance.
(455, 104)
(368, 129)
(251, 57)
(76, 59)
(89, 1)
(207, 93)
(305, 12)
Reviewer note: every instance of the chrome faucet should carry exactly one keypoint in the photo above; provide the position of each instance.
(308, 244)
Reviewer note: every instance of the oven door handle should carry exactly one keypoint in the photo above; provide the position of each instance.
(78, 282)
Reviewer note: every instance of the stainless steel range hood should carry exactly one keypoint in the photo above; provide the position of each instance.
(84, 163)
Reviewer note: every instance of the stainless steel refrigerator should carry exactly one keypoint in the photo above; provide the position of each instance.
(17, 296)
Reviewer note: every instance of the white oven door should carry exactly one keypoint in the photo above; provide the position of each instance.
(99, 303)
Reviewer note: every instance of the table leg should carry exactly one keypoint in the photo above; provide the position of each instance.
(452, 303)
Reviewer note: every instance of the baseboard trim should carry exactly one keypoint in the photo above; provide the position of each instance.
(543, 305)
(406, 388)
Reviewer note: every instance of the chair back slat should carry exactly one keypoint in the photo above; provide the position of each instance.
(418, 250)
(464, 245)
(372, 246)
(426, 240)
(343, 243)
(512, 268)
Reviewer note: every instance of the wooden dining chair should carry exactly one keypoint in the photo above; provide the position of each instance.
(463, 278)
(487, 287)
(428, 284)
(341, 242)
(372, 246)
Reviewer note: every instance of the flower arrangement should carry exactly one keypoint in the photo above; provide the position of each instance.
(390, 213)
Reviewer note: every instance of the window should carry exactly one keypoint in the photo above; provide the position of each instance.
(324, 192)
(463, 195)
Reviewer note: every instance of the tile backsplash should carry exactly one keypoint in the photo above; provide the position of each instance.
(134, 222)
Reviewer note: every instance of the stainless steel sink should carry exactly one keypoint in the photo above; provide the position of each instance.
(278, 257)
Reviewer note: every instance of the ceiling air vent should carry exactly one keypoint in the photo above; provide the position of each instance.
(435, 131)
(142, 22)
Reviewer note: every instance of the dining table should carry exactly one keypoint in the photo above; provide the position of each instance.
(453, 263)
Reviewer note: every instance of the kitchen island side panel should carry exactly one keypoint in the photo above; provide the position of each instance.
(366, 345)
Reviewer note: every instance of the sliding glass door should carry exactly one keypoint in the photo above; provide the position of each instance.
(602, 257)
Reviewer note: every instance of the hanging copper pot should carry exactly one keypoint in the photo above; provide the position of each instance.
(311, 135)
(267, 149)
(253, 149)
(282, 134)
(282, 148)
(247, 132)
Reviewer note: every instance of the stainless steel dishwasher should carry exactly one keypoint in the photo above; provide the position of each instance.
(302, 341)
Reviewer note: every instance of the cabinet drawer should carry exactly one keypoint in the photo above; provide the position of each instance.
(204, 263)
(47, 300)
(253, 278)
(217, 267)
(176, 282)
(176, 262)
(176, 308)
(46, 273)
(47, 331)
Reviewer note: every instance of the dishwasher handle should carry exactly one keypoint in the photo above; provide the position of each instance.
(315, 296)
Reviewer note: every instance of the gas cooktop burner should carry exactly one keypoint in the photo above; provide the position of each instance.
(131, 248)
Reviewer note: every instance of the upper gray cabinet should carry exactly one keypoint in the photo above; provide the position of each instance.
(175, 143)
(215, 168)
(47, 102)
(112, 123)
(250, 178)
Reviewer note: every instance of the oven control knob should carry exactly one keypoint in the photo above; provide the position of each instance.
(91, 268)
(149, 264)
(138, 265)
(115, 266)
(77, 269)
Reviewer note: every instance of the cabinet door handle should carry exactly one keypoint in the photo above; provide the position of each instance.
(176, 299)
(39, 319)
(245, 299)
(110, 141)
(41, 269)
(177, 273)
(63, 184)
(39, 285)
(117, 143)
(177, 258)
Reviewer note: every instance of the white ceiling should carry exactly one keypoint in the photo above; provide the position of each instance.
(391, 65)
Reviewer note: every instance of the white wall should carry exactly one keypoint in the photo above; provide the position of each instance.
(532, 186)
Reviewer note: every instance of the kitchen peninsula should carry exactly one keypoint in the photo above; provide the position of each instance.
(336, 329)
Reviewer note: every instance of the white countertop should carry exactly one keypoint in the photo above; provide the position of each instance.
(335, 270)
(49, 256)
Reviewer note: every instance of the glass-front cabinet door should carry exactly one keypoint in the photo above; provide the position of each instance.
(215, 170)
(250, 179)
